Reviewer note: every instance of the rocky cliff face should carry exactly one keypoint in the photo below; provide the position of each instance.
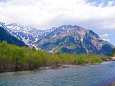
(69, 39)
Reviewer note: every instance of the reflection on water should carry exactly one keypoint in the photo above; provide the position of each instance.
(98, 75)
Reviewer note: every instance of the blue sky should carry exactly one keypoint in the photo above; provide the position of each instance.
(109, 34)
(100, 1)
(2, 0)
(97, 15)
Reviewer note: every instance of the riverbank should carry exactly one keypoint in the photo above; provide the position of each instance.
(74, 66)
(93, 75)
(60, 66)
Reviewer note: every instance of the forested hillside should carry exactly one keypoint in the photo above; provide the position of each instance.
(14, 58)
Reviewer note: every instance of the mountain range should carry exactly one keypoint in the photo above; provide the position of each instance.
(73, 38)
(27, 34)
(6, 36)
(63, 39)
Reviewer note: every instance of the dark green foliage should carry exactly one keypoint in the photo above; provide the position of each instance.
(5, 36)
(14, 58)
(112, 53)
(106, 49)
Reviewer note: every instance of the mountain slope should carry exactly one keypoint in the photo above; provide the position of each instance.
(5, 36)
(27, 34)
(69, 39)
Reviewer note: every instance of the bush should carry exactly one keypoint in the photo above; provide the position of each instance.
(13, 57)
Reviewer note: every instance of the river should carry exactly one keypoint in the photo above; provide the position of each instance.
(93, 75)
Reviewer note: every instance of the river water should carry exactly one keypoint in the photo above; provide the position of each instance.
(96, 75)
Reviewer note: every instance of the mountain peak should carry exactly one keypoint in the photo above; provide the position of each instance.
(73, 38)
(62, 39)
(13, 24)
(66, 27)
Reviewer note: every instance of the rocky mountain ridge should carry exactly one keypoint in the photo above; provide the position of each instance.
(27, 34)
(63, 39)
(73, 38)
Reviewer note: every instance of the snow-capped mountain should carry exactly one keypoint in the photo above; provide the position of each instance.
(6, 36)
(73, 38)
(4, 26)
(63, 39)
(27, 34)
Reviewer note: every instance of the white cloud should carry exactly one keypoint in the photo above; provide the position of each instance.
(107, 40)
(48, 13)
(105, 35)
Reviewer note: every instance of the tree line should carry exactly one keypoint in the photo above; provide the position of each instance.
(15, 58)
